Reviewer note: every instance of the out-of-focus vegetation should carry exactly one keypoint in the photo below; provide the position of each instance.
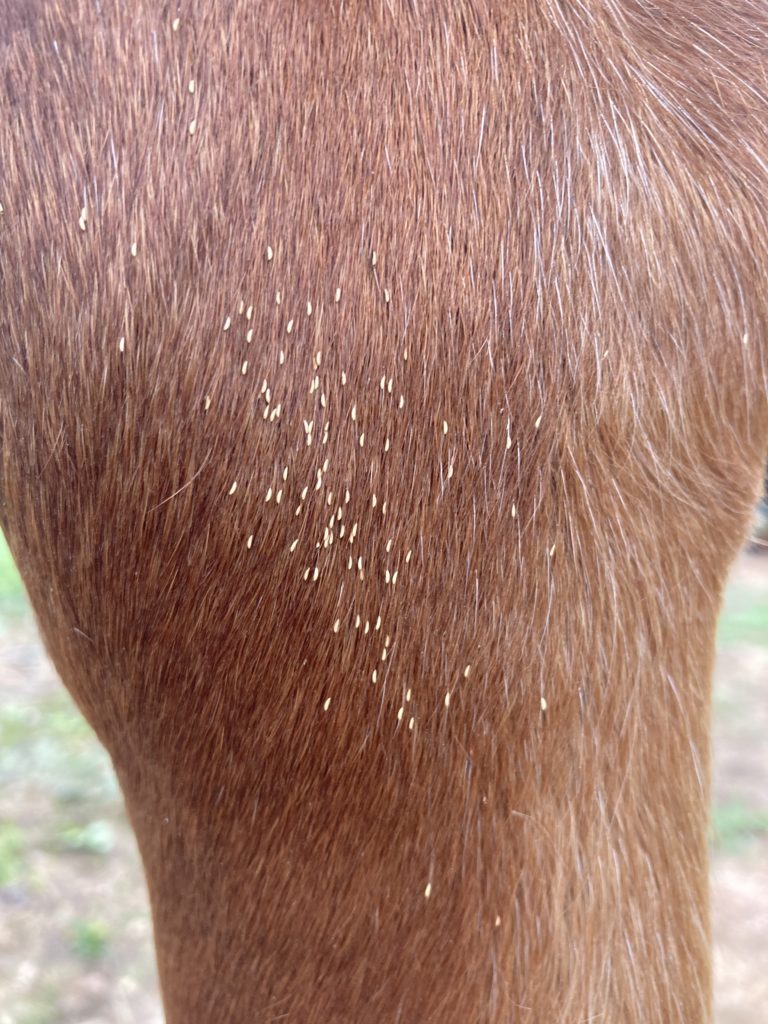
(12, 597)
(75, 938)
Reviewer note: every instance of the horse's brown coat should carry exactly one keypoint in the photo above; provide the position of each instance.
(382, 400)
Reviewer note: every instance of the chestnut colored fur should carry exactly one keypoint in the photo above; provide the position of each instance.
(413, 723)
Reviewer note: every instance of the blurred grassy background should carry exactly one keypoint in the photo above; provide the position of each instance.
(75, 939)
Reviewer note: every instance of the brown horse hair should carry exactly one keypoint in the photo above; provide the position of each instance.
(382, 403)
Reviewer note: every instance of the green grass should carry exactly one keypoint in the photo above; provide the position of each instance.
(11, 853)
(47, 744)
(90, 939)
(744, 619)
(39, 1007)
(97, 837)
(734, 824)
(13, 598)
